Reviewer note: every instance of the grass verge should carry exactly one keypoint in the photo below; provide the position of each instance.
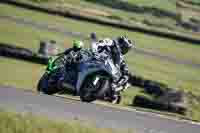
(27, 123)
(19, 73)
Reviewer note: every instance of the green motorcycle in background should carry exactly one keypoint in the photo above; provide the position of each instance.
(48, 83)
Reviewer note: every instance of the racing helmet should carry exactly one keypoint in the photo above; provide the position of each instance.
(125, 44)
(78, 44)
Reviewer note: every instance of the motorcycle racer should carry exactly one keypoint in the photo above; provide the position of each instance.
(117, 48)
(72, 56)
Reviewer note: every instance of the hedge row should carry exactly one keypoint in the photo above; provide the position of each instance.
(67, 13)
(124, 5)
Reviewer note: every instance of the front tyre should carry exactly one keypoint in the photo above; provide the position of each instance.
(90, 90)
(46, 86)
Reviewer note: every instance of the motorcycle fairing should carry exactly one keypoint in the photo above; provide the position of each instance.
(51, 66)
(88, 68)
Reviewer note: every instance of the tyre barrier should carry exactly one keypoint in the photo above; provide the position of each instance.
(70, 14)
(21, 53)
(164, 98)
(145, 102)
(151, 87)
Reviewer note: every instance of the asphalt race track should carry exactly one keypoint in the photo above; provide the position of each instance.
(54, 107)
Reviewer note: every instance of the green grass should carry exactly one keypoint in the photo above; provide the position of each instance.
(127, 16)
(165, 5)
(19, 73)
(25, 75)
(151, 43)
(162, 4)
(12, 33)
(196, 2)
(180, 76)
(174, 75)
(28, 123)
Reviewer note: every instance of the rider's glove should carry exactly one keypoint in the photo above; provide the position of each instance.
(114, 86)
(123, 80)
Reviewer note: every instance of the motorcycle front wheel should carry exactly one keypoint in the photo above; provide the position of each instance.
(90, 91)
(47, 86)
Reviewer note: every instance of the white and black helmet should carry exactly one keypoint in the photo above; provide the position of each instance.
(125, 44)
